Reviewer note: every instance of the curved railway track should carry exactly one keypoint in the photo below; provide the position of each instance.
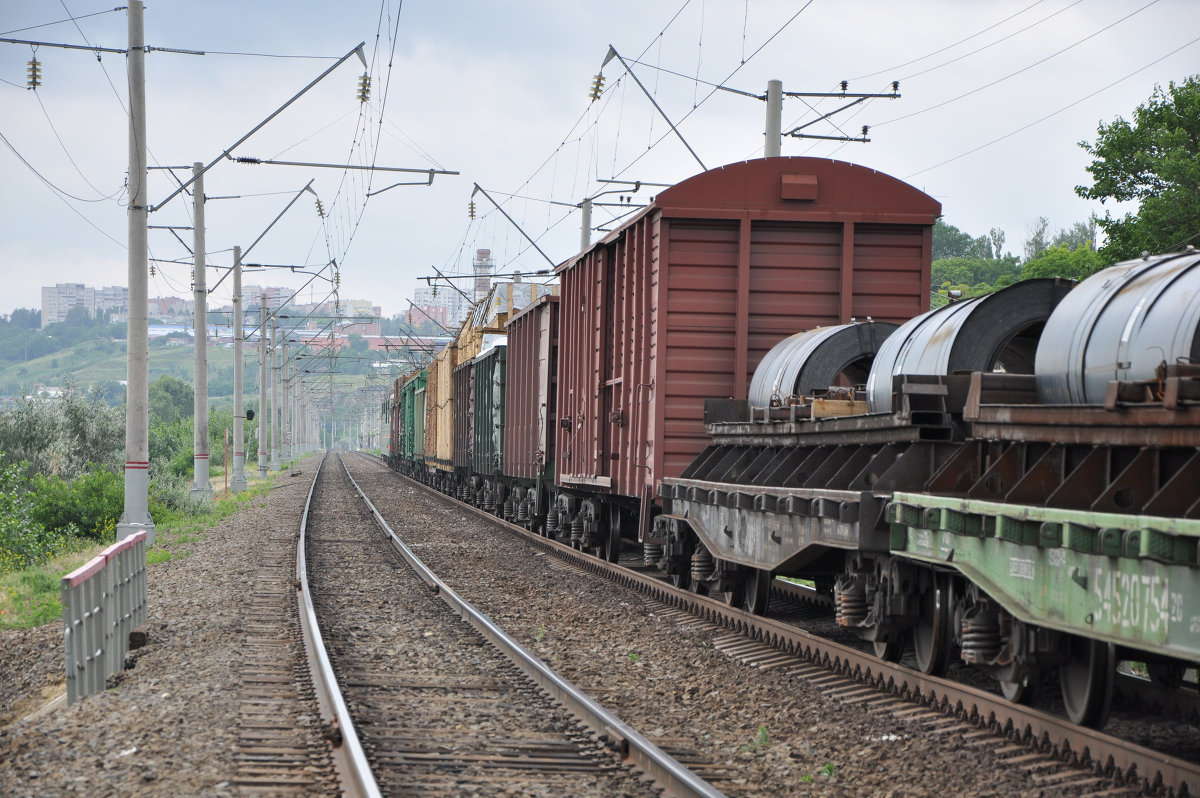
(1069, 757)
(441, 698)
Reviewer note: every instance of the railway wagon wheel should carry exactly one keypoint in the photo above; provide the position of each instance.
(1025, 692)
(891, 649)
(737, 592)
(611, 550)
(1086, 680)
(756, 593)
(933, 634)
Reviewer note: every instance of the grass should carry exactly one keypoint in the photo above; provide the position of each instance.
(31, 597)
(761, 741)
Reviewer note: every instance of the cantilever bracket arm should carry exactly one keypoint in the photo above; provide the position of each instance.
(479, 190)
(183, 186)
(612, 53)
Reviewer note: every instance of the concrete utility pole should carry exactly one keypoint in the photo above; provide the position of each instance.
(774, 134)
(285, 452)
(585, 225)
(200, 486)
(264, 420)
(274, 399)
(238, 484)
(136, 515)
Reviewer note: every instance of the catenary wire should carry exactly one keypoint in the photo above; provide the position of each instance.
(950, 46)
(1055, 113)
(1019, 71)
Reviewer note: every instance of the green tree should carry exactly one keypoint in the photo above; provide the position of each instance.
(1078, 235)
(1061, 261)
(1155, 161)
(950, 242)
(171, 398)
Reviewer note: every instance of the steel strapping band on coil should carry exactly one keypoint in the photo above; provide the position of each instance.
(984, 333)
(815, 358)
(1119, 324)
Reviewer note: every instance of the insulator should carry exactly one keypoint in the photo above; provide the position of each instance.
(597, 87)
(320, 209)
(471, 209)
(845, 85)
(152, 270)
(895, 85)
(865, 129)
(364, 87)
(35, 73)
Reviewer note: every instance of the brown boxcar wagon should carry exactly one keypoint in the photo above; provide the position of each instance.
(529, 411)
(682, 301)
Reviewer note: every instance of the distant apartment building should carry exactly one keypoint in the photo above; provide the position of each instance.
(59, 300)
(166, 307)
(443, 305)
(113, 298)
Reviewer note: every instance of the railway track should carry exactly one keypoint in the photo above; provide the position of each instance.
(1062, 756)
(440, 704)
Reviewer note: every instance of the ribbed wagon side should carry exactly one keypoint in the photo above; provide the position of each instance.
(410, 411)
(530, 414)
(680, 303)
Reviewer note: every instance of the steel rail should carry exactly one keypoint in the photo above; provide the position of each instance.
(1109, 755)
(349, 760)
(667, 772)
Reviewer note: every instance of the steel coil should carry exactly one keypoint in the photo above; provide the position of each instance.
(986, 333)
(815, 359)
(1119, 324)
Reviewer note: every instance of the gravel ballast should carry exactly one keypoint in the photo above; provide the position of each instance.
(169, 726)
(665, 678)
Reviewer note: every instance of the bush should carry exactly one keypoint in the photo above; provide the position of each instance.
(67, 436)
(88, 505)
(23, 541)
(170, 498)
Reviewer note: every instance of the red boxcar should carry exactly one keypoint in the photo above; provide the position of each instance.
(529, 409)
(682, 301)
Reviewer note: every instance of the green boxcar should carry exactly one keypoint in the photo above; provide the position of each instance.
(412, 418)
(488, 429)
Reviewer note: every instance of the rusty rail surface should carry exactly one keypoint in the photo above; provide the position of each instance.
(633, 748)
(350, 762)
(1113, 757)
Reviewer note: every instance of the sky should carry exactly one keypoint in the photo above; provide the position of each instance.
(996, 97)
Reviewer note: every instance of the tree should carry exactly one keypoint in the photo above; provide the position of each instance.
(1155, 161)
(1080, 234)
(996, 241)
(1061, 261)
(950, 242)
(171, 398)
(1037, 242)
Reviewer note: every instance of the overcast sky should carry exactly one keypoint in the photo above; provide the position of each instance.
(499, 92)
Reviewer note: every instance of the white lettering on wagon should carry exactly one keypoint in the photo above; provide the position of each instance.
(1019, 568)
(1135, 601)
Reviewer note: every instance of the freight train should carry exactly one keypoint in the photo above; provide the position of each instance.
(745, 380)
